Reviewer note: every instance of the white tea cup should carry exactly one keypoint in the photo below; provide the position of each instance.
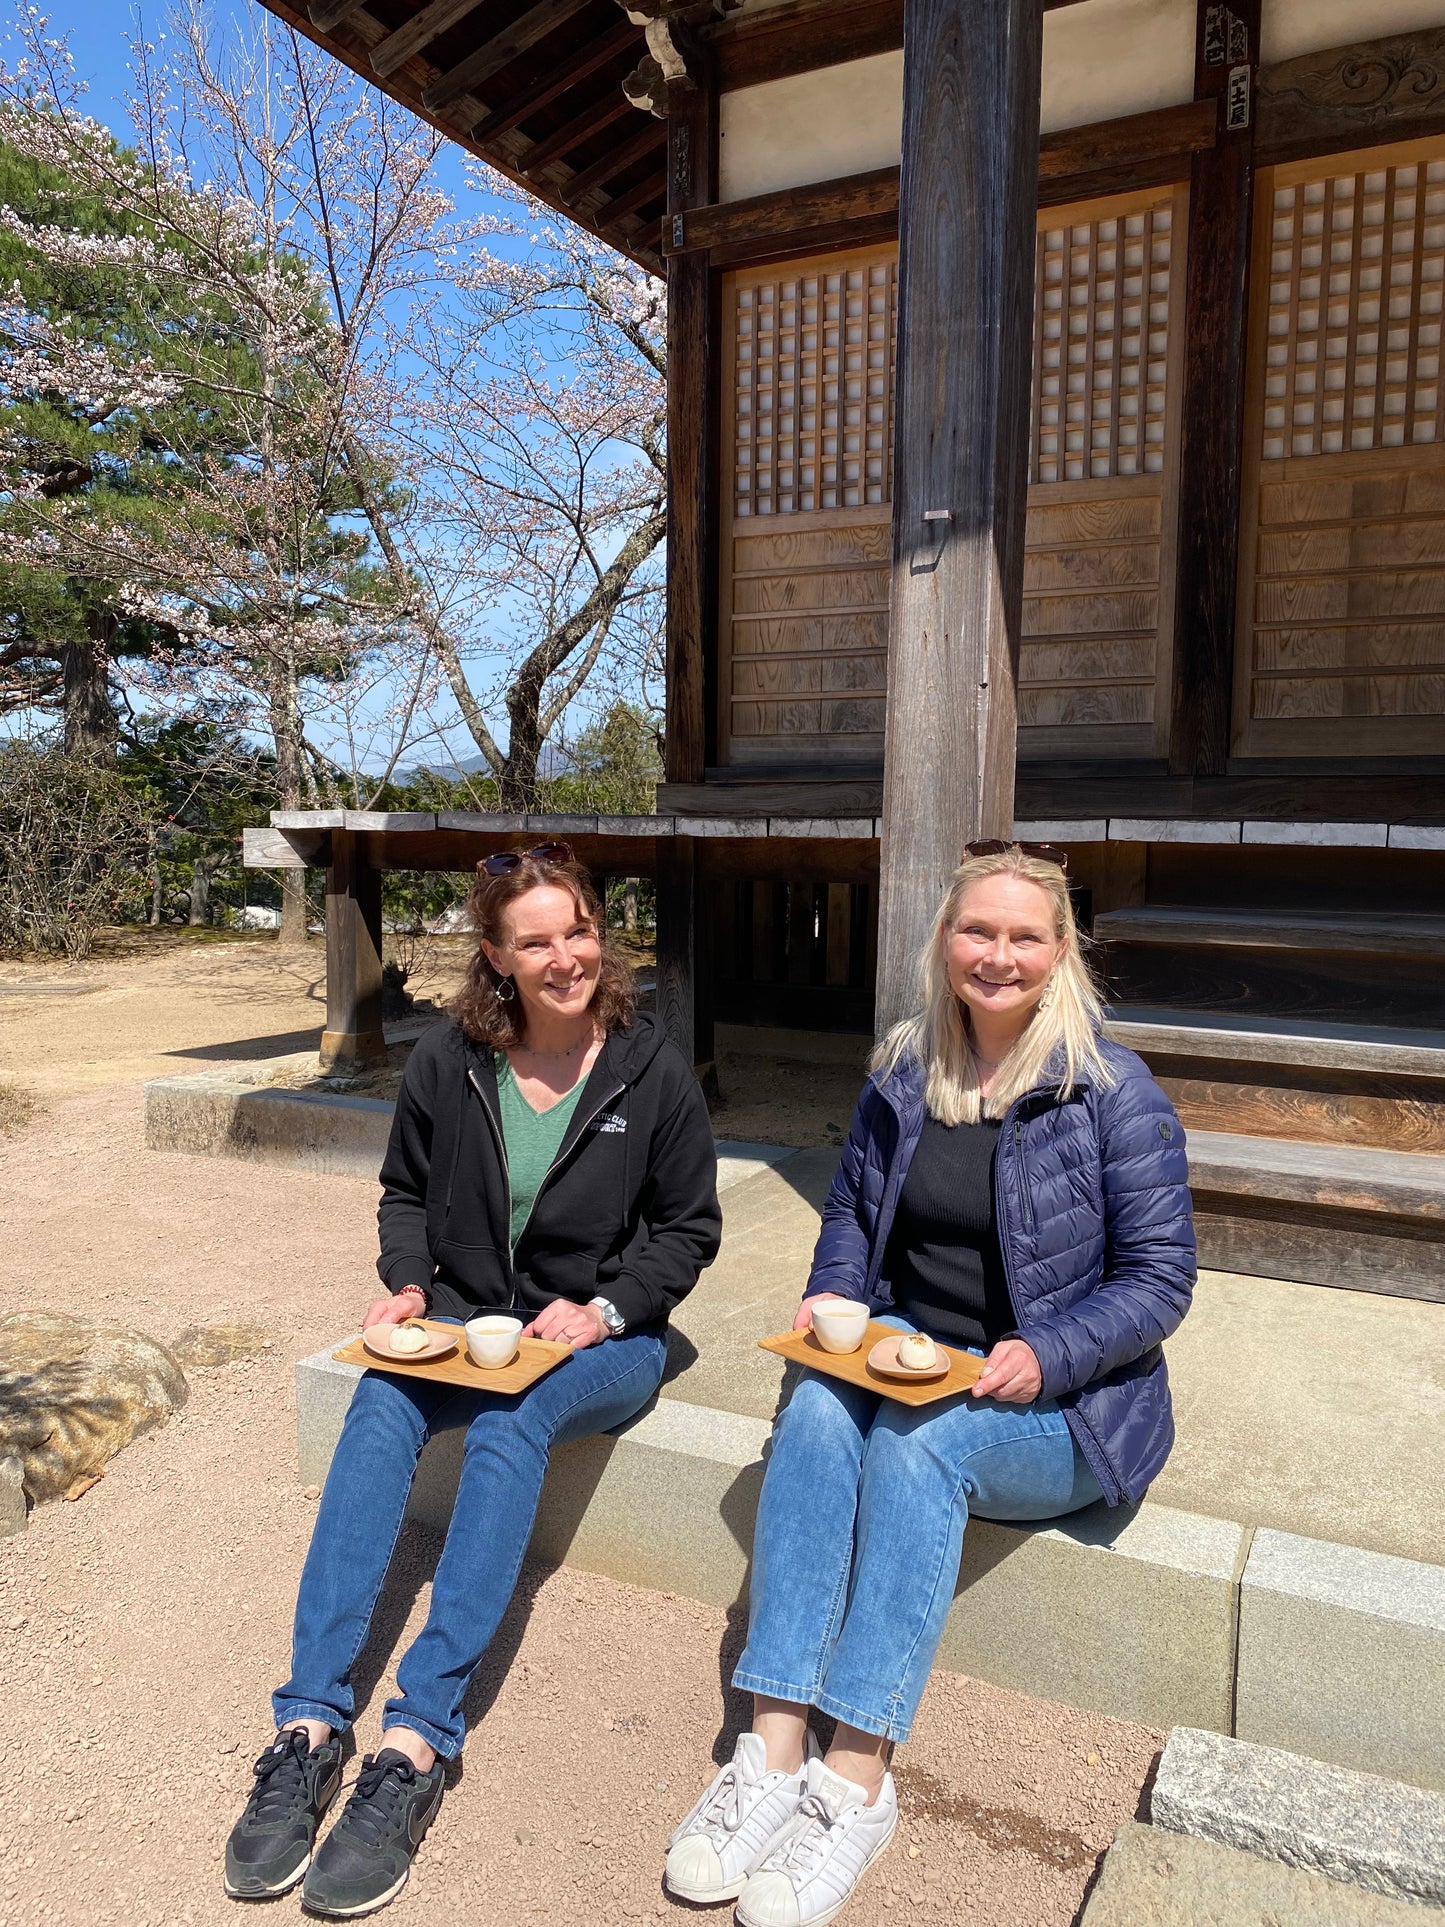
(840, 1326)
(492, 1340)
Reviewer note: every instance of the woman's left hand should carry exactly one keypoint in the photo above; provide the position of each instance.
(1011, 1373)
(569, 1324)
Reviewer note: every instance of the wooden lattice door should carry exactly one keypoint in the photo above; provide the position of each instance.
(1341, 647)
(807, 410)
(807, 533)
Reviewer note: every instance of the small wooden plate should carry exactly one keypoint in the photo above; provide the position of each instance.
(854, 1368)
(884, 1358)
(440, 1340)
(535, 1358)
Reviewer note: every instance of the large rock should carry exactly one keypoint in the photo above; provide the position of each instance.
(74, 1392)
(200, 1347)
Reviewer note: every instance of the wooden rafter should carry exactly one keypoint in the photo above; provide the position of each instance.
(326, 14)
(574, 132)
(613, 211)
(646, 141)
(623, 39)
(497, 52)
(419, 33)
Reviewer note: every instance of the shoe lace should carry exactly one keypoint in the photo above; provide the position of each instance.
(807, 1840)
(725, 1808)
(280, 1778)
(380, 1788)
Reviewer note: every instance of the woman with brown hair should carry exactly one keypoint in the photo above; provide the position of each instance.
(551, 1156)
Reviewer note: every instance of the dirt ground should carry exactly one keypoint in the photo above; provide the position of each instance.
(141, 1627)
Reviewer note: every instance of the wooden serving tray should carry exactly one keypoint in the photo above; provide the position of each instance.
(535, 1358)
(802, 1348)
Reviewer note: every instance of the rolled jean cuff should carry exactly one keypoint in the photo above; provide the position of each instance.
(284, 1711)
(773, 1689)
(884, 1727)
(446, 1745)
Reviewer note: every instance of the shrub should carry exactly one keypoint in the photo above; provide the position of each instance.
(72, 849)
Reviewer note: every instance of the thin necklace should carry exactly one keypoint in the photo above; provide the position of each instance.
(559, 1056)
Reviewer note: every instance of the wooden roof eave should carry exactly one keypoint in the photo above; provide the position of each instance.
(352, 35)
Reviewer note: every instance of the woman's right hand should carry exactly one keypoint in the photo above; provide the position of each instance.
(393, 1310)
(804, 1320)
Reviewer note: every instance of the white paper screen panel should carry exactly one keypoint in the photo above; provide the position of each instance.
(1101, 346)
(1343, 583)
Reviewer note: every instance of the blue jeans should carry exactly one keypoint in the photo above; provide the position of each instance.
(860, 1530)
(504, 1460)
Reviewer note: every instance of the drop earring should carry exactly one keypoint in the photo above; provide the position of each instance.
(506, 991)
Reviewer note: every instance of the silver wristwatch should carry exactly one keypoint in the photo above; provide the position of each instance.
(611, 1317)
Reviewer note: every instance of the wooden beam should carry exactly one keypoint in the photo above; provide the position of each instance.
(326, 14)
(1221, 207)
(967, 216)
(683, 1012)
(693, 475)
(798, 35)
(500, 51)
(795, 211)
(419, 32)
(353, 1038)
(583, 127)
(649, 137)
(623, 39)
(1388, 89)
(1137, 149)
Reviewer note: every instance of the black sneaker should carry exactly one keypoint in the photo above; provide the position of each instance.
(365, 1859)
(270, 1845)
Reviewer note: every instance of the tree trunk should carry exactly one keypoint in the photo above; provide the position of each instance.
(286, 733)
(200, 911)
(89, 719)
(629, 905)
(155, 916)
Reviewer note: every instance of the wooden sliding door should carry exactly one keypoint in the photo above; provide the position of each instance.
(1096, 658)
(1342, 619)
(807, 412)
(807, 527)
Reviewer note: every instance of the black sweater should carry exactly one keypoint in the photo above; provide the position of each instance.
(943, 1258)
(628, 1210)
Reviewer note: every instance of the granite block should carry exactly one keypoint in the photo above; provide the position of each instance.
(1374, 1833)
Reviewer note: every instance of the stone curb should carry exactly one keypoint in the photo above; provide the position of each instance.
(1356, 1827)
(1342, 1657)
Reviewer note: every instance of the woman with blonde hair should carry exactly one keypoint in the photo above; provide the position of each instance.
(1014, 1184)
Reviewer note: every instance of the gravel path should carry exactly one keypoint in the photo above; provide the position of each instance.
(141, 1628)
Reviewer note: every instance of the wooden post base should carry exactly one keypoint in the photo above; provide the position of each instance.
(351, 1050)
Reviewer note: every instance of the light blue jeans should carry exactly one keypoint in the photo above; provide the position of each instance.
(860, 1530)
(504, 1460)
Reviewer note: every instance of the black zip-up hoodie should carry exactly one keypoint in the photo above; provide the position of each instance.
(628, 1209)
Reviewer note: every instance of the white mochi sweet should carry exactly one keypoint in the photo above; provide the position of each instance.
(917, 1351)
(408, 1338)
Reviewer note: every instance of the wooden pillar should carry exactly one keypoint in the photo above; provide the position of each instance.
(684, 988)
(692, 464)
(966, 226)
(353, 1037)
(1216, 307)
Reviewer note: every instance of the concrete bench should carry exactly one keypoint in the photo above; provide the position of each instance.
(1149, 1613)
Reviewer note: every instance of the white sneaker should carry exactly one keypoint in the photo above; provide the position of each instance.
(734, 1824)
(833, 1841)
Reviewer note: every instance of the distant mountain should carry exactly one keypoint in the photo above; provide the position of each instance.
(552, 762)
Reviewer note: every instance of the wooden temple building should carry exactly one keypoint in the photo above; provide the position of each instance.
(1057, 442)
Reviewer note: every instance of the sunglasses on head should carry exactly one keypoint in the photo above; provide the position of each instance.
(997, 846)
(507, 860)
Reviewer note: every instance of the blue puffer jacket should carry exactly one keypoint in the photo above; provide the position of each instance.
(1096, 1227)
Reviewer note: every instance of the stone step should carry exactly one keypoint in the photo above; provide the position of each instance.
(1149, 1613)
(1150, 1878)
(1372, 1085)
(1341, 1215)
(1378, 1834)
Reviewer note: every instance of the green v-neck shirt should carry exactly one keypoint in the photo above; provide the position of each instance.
(533, 1139)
